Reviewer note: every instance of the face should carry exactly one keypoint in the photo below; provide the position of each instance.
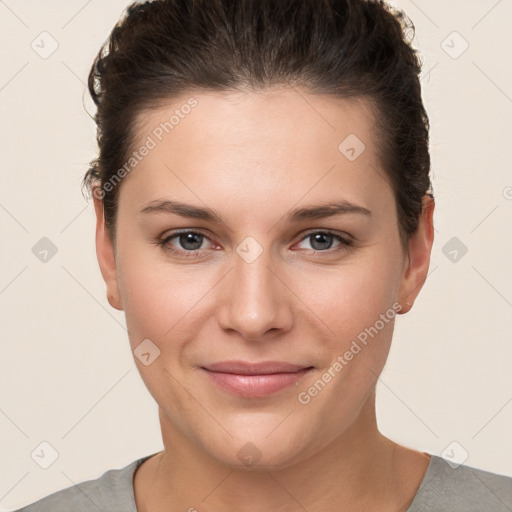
(259, 228)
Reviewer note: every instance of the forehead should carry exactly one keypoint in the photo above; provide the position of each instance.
(270, 117)
(259, 142)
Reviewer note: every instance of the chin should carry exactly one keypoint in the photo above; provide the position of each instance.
(261, 451)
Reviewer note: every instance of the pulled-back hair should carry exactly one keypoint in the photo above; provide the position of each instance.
(347, 48)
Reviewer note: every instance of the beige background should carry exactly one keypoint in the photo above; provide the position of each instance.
(67, 374)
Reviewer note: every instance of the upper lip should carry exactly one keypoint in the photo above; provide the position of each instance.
(259, 368)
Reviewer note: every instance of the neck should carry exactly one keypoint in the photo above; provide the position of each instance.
(361, 469)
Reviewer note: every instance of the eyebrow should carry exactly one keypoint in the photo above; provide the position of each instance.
(300, 214)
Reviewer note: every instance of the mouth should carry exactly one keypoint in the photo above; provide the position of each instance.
(254, 380)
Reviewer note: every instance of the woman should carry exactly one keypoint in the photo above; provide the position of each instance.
(264, 211)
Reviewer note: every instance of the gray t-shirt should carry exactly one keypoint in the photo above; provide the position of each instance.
(443, 489)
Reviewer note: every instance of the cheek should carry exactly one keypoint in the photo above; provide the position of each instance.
(162, 302)
(154, 302)
(352, 296)
(159, 305)
(356, 303)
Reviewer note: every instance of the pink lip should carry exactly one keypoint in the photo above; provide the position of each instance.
(253, 380)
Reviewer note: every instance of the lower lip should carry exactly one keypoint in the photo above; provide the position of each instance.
(255, 386)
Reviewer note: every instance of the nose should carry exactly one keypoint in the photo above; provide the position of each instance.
(255, 301)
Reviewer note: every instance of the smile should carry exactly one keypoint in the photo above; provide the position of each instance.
(249, 380)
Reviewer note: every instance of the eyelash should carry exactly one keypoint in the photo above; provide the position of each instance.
(165, 241)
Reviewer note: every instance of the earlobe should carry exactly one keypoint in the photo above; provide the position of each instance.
(106, 256)
(418, 260)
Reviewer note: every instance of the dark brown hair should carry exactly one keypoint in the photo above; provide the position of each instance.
(345, 48)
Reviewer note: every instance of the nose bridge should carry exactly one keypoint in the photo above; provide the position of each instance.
(254, 301)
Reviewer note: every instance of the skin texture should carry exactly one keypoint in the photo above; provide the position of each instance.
(253, 157)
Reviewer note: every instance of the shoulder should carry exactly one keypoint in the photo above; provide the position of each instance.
(461, 489)
(112, 491)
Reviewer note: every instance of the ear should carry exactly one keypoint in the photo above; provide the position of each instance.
(418, 259)
(105, 252)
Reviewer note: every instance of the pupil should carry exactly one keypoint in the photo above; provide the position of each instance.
(187, 241)
(320, 240)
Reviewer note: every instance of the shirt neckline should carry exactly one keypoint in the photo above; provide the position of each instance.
(426, 477)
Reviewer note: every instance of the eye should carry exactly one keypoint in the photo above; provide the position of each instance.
(190, 243)
(187, 243)
(322, 241)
